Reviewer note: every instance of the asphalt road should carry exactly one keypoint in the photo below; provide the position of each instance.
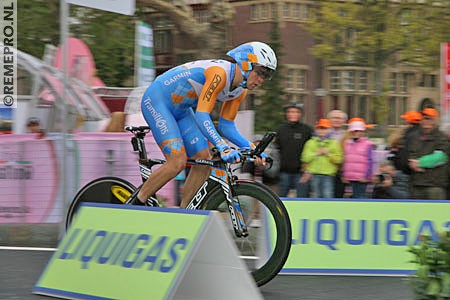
(20, 270)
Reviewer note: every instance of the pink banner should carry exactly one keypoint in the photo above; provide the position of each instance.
(29, 179)
(31, 171)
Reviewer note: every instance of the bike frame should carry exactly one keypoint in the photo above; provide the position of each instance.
(224, 181)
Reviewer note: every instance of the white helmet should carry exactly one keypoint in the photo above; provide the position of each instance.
(254, 53)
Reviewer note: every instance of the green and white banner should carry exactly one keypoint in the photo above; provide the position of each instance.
(136, 252)
(359, 236)
(145, 60)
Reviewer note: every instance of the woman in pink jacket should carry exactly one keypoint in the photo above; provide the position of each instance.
(357, 167)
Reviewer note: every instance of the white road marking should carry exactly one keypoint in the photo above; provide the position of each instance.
(27, 248)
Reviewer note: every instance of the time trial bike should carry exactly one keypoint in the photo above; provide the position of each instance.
(222, 191)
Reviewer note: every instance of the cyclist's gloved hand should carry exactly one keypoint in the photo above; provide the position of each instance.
(227, 154)
(230, 155)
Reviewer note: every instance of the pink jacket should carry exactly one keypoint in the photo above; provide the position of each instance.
(357, 159)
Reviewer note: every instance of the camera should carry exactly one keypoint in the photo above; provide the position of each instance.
(382, 177)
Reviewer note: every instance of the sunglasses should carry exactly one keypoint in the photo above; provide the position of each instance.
(265, 73)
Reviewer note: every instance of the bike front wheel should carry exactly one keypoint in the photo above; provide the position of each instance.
(266, 248)
(112, 190)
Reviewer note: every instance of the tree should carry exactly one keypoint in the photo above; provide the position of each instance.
(272, 99)
(110, 37)
(38, 25)
(379, 33)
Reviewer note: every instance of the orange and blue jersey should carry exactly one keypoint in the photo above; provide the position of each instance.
(178, 104)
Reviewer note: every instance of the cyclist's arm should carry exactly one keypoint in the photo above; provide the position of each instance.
(227, 126)
(214, 83)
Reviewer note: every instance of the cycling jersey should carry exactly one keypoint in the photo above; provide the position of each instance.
(177, 106)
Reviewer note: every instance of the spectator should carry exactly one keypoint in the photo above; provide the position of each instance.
(428, 152)
(34, 126)
(338, 120)
(390, 183)
(323, 156)
(358, 157)
(395, 146)
(291, 137)
(412, 120)
(399, 153)
(446, 129)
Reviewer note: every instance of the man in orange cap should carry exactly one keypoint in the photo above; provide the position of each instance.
(412, 117)
(323, 156)
(428, 153)
(399, 153)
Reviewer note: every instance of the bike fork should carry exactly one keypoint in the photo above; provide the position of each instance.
(235, 210)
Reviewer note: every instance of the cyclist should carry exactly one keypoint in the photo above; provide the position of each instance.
(177, 108)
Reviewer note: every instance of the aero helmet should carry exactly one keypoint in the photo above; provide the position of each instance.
(253, 53)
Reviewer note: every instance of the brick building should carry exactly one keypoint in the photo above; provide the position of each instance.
(320, 88)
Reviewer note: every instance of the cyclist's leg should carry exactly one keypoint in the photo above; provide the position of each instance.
(196, 148)
(168, 136)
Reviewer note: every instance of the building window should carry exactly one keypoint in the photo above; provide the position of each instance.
(428, 80)
(295, 11)
(304, 12)
(334, 80)
(393, 82)
(403, 82)
(163, 41)
(262, 11)
(296, 79)
(348, 80)
(402, 105)
(201, 16)
(254, 12)
(273, 10)
(286, 9)
(363, 81)
(405, 16)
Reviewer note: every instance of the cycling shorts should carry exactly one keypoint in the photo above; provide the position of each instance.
(174, 129)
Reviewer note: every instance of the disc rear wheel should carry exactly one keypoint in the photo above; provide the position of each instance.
(111, 190)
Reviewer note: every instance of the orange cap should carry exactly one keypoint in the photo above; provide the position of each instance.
(325, 123)
(352, 120)
(430, 112)
(412, 116)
